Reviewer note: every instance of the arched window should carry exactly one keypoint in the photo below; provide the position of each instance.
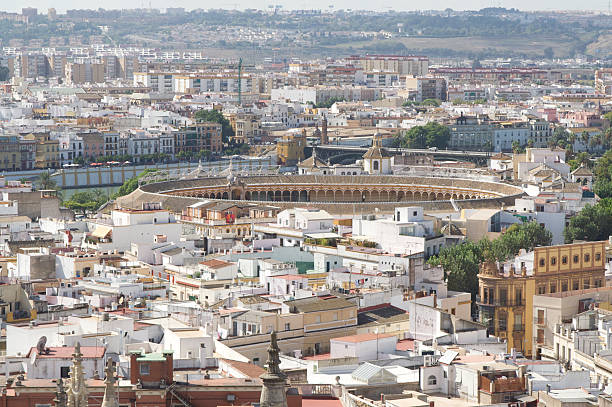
(432, 381)
(375, 165)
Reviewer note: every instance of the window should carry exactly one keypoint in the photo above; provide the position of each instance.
(145, 369)
(502, 321)
(65, 372)
(564, 260)
(375, 165)
(553, 261)
(432, 381)
(597, 256)
(553, 287)
(586, 284)
(563, 285)
(575, 284)
(542, 289)
(287, 326)
(587, 257)
(598, 283)
(542, 262)
(576, 258)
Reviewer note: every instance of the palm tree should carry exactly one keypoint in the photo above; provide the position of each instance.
(45, 181)
(585, 138)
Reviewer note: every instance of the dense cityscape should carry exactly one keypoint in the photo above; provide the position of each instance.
(305, 208)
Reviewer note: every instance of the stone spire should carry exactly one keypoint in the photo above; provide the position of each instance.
(110, 392)
(273, 392)
(60, 394)
(77, 389)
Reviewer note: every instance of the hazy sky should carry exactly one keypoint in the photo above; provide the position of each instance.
(62, 5)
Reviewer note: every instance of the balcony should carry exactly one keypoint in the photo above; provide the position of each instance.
(502, 303)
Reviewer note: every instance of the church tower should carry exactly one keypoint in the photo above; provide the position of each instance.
(273, 392)
(110, 392)
(77, 389)
(324, 136)
(376, 160)
(60, 394)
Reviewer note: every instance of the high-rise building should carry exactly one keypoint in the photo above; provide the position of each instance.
(29, 12)
(400, 64)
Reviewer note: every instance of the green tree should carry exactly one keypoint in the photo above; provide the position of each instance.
(592, 223)
(582, 158)
(327, 103)
(603, 175)
(217, 117)
(45, 181)
(431, 102)
(433, 134)
(517, 148)
(87, 201)
(131, 184)
(460, 264)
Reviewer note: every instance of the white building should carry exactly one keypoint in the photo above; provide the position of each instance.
(363, 346)
(55, 362)
(128, 225)
(407, 232)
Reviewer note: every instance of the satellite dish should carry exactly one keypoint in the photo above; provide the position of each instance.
(40, 346)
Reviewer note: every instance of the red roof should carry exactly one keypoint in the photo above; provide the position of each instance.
(405, 344)
(247, 369)
(321, 402)
(322, 356)
(65, 352)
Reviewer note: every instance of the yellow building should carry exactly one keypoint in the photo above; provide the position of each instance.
(506, 290)
(290, 148)
(246, 127)
(47, 153)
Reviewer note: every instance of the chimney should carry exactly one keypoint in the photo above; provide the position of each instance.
(134, 368)
(169, 366)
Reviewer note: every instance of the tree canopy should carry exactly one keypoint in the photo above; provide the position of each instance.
(131, 184)
(431, 135)
(593, 223)
(87, 201)
(603, 176)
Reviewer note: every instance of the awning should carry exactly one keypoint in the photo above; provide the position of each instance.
(101, 232)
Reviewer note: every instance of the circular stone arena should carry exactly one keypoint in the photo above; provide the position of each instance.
(335, 193)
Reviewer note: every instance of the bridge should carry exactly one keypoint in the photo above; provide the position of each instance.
(340, 153)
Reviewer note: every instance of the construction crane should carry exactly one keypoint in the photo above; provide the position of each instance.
(240, 82)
